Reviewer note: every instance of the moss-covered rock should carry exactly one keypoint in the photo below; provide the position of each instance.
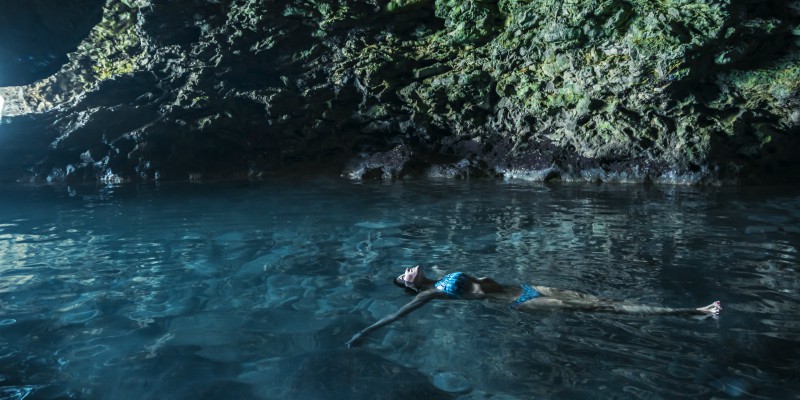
(687, 91)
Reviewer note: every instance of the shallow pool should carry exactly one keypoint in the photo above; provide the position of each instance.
(250, 291)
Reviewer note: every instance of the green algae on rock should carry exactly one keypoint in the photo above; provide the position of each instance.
(681, 91)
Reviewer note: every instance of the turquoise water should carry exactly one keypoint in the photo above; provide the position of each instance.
(249, 291)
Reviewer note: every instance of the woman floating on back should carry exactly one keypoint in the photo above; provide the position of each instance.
(458, 285)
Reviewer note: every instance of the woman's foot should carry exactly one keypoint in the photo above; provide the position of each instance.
(712, 309)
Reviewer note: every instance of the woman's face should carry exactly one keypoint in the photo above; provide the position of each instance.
(411, 275)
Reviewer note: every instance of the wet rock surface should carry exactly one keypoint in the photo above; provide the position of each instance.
(602, 90)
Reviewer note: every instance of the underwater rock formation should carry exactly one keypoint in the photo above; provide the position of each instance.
(678, 91)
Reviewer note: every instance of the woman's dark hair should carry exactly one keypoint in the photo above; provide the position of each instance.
(409, 289)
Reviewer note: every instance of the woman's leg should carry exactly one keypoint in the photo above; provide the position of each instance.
(553, 298)
(564, 294)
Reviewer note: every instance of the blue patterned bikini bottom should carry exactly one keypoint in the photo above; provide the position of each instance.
(528, 293)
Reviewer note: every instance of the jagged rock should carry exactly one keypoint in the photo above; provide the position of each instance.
(385, 165)
(683, 91)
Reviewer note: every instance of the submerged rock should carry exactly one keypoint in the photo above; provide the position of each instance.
(684, 91)
(339, 374)
(452, 382)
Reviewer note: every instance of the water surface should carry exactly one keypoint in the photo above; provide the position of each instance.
(250, 291)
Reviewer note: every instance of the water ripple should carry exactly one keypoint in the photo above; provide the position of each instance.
(15, 392)
(141, 285)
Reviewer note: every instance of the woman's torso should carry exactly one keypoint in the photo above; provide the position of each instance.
(458, 285)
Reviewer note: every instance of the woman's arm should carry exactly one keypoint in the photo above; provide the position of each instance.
(419, 301)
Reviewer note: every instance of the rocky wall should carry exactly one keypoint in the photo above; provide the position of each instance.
(674, 91)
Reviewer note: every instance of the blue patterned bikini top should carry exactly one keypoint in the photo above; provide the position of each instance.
(453, 284)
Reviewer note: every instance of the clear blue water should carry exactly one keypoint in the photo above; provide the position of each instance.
(250, 291)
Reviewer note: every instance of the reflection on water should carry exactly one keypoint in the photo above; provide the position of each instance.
(251, 291)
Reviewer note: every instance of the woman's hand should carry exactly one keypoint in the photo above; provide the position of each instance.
(355, 340)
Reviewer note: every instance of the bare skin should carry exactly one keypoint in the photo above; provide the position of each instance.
(486, 288)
